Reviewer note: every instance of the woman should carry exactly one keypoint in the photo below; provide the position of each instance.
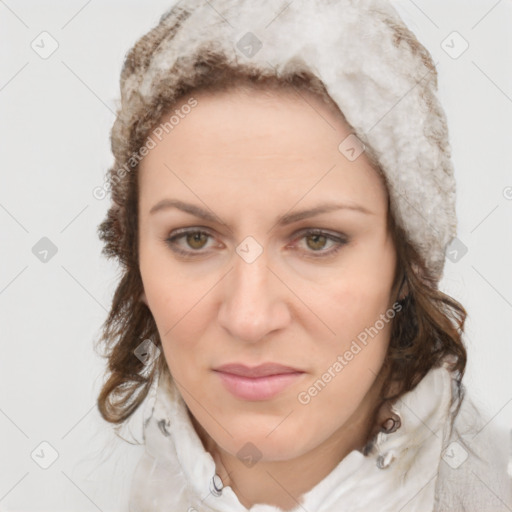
(283, 197)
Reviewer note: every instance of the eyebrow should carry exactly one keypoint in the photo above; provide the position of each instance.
(283, 220)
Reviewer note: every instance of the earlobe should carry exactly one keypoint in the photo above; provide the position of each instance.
(403, 291)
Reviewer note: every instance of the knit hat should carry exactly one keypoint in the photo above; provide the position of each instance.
(382, 79)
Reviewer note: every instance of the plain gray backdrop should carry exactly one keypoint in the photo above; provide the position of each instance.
(58, 93)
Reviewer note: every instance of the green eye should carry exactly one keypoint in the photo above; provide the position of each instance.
(197, 239)
(317, 239)
(194, 238)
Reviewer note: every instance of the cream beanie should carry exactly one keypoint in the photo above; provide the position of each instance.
(375, 70)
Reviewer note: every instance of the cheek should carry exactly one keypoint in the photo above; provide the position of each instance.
(356, 301)
(173, 292)
(356, 307)
(348, 363)
(178, 307)
(346, 369)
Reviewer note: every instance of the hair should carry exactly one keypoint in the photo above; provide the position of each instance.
(427, 330)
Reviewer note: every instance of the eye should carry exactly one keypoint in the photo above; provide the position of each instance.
(317, 239)
(195, 239)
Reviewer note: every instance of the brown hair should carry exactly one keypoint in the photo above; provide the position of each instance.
(427, 329)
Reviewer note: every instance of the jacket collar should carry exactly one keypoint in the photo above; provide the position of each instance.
(398, 473)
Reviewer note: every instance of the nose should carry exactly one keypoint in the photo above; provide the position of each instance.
(254, 301)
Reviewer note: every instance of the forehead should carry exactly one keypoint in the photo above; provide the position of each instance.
(270, 121)
(266, 141)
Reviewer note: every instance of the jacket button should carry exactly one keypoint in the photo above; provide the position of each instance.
(384, 461)
(164, 425)
(216, 485)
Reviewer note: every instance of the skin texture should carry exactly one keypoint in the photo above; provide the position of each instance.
(249, 157)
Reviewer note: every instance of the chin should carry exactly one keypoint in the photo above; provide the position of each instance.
(276, 446)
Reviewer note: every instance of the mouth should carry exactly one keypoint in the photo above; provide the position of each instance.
(257, 383)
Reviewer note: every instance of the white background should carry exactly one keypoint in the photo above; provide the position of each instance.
(56, 114)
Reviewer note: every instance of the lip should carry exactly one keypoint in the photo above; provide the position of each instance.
(262, 370)
(261, 382)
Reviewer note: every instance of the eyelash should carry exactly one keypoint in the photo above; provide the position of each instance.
(339, 241)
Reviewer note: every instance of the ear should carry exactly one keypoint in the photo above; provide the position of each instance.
(403, 289)
(143, 298)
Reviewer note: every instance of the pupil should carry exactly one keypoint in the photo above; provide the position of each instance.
(316, 238)
(196, 238)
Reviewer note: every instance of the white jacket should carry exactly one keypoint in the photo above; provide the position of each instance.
(424, 466)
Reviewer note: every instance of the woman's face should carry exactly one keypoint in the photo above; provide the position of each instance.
(232, 276)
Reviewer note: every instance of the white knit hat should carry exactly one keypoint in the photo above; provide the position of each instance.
(380, 76)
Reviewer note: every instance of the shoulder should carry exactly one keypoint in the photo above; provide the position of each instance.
(473, 468)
